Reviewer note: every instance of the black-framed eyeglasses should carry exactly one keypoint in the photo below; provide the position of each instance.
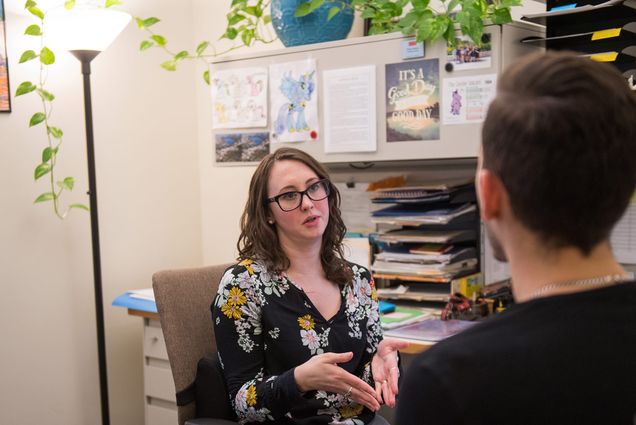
(289, 201)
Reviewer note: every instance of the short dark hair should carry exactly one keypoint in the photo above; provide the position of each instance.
(561, 136)
(259, 240)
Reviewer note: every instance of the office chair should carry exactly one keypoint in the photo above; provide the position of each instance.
(183, 300)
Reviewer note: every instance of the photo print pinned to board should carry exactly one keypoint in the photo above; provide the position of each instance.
(467, 55)
(294, 101)
(240, 148)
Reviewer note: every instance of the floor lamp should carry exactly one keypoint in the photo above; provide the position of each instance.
(85, 32)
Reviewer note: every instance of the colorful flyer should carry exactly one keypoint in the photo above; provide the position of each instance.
(412, 101)
(294, 101)
(239, 98)
(466, 99)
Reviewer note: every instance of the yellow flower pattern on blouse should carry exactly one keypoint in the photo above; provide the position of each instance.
(232, 311)
(248, 266)
(251, 395)
(306, 322)
(351, 410)
(236, 297)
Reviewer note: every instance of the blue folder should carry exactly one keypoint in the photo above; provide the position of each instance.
(125, 300)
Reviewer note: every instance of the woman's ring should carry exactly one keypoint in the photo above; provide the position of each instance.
(348, 393)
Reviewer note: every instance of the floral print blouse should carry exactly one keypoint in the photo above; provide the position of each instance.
(265, 326)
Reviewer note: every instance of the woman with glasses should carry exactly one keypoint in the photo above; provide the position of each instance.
(297, 326)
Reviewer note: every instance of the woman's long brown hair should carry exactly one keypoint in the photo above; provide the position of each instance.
(259, 240)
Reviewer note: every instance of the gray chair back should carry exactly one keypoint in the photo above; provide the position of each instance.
(183, 300)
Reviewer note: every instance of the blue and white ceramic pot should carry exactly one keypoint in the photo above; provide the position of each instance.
(313, 28)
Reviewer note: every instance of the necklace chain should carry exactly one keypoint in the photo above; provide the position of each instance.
(598, 281)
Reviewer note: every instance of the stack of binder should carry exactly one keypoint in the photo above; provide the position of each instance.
(603, 30)
(426, 238)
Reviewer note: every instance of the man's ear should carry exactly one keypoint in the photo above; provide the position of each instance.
(491, 193)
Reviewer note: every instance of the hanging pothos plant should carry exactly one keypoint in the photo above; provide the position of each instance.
(247, 22)
(47, 167)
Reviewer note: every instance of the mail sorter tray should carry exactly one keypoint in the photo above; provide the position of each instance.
(608, 39)
(584, 18)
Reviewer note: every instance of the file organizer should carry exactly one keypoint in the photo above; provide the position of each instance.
(603, 31)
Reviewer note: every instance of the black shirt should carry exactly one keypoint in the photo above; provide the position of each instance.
(265, 326)
(567, 359)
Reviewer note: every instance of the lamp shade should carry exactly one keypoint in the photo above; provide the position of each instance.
(84, 28)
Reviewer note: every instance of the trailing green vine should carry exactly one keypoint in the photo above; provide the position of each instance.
(247, 21)
(42, 118)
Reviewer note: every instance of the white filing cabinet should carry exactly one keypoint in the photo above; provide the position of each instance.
(159, 393)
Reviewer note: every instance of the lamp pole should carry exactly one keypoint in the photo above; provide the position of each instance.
(85, 57)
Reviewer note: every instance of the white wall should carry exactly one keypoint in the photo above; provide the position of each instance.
(148, 192)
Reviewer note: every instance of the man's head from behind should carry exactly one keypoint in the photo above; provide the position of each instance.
(560, 137)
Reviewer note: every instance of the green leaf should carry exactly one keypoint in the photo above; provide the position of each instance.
(42, 170)
(34, 10)
(303, 9)
(69, 4)
(47, 196)
(67, 183)
(146, 44)
(206, 77)
(181, 55)
(110, 3)
(267, 19)
(159, 39)
(33, 30)
(501, 16)
(27, 56)
(235, 19)
(29, 3)
(170, 65)
(332, 12)
(420, 5)
(24, 88)
(230, 33)
(150, 21)
(48, 153)
(422, 29)
(79, 206)
(140, 22)
(253, 10)
(366, 13)
(46, 95)
(47, 57)
(247, 37)
(57, 133)
(201, 47)
(37, 118)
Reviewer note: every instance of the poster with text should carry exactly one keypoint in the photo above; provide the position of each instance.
(239, 98)
(412, 101)
(241, 147)
(466, 99)
(294, 101)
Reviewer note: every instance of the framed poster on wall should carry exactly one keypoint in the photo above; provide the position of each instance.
(5, 96)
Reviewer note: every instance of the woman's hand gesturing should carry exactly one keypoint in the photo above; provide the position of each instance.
(384, 367)
(322, 372)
